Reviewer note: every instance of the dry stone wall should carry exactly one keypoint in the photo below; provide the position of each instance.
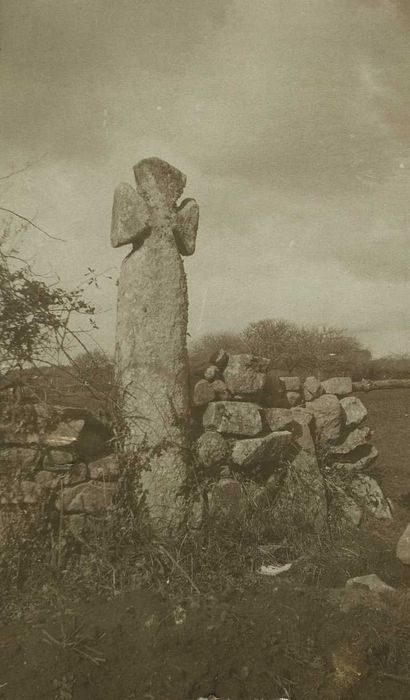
(55, 458)
(300, 446)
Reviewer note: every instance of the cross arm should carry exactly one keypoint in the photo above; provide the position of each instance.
(186, 227)
(130, 221)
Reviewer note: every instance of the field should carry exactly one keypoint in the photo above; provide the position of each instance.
(300, 636)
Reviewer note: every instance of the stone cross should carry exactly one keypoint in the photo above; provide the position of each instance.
(152, 315)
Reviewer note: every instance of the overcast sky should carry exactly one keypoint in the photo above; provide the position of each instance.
(290, 119)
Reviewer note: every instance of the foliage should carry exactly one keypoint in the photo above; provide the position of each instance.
(324, 350)
(389, 367)
(35, 315)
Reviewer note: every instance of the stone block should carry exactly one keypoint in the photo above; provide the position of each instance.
(233, 418)
(340, 386)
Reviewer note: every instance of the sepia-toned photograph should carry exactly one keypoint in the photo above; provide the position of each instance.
(205, 350)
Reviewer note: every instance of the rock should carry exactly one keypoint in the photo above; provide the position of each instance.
(212, 449)
(152, 364)
(56, 459)
(105, 469)
(357, 438)
(22, 492)
(371, 581)
(274, 391)
(220, 390)
(347, 509)
(361, 459)
(203, 393)
(291, 383)
(76, 474)
(403, 547)
(19, 461)
(220, 359)
(301, 500)
(47, 479)
(227, 500)
(328, 416)
(293, 398)
(312, 389)
(90, 497)
(278, 418)
(233, 418)
(212, 373)
(258, 451)
(367, 492)
(245, 376)
(340, 386)
(298, 420)
(303, 429)
(354, 411)
(225, 472)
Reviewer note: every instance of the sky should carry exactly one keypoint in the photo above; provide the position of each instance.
(290, 118)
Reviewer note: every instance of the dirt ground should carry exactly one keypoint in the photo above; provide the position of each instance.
(300, 636)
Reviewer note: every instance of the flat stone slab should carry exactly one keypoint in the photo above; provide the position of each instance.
(233, 418)
(340, 386)
(357, 438)
(354, 411)
(251, 453)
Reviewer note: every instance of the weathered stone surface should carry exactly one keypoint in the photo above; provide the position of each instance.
(328, 416)
(340, 386)
(278, 418)
(203, 393)
(354, 411)
(221, 391)
(293, 398)
(403, 547)
(233, 418)
(151, 354)
(257, 451)
(370, 581)
(21, 492)
(312, 388)
(303, 431)
(291, 383)
(90, 497)
(66, 434)
(186, 227)
(301, 499)
(212, 373)
(298, 420)
(227, 500)
(212, 449)
(274, 391)
(105, 469)
(220, 359)
(357, 438)
(367, 492)
(245, 376)
(18, 460)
